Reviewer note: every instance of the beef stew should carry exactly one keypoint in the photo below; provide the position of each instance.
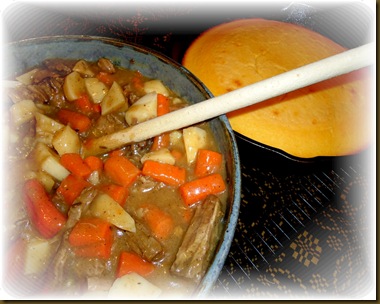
(80, 225)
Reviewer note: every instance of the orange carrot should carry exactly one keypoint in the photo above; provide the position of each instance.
(121, 170)
(160, 223)
(166, 173)
(207, 162)
(91, 237)
(163, 107)
(106, 78)
(98, 250)
(137, 81)
(84, 105)
(77, 121)
(47, 219)
(94, 163)
(71, 187)
(177, 154)
(198, 189)
(118, 193)
(160, 141)
(117, 152)
(75, 164)
(131, 262)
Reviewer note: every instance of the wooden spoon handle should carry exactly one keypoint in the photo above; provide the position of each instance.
(327, 68)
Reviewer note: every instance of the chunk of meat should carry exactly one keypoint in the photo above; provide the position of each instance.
(61, 66)
(200, 240)
(106, 65)
(144, 244)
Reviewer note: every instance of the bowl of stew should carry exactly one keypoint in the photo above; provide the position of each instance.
(146, 220)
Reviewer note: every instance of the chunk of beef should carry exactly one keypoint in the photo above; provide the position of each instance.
(200, 241)
(144, 244)
(106, 65)
(108, 124)
(59, 262)
(61, 66)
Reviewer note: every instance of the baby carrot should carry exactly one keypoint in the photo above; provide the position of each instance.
(163, 107)
(75, 164)
(106, 78)
(207, 162)
(198, 189)
(77, 121)
(94, 163)
(91, 237)
(71, 187)
(86, 106)
(47, 219)
(160, 223)
(118, 193)
(166, 173)
(121, 170)
(131, 262)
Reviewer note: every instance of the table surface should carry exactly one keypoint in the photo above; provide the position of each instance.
(304, 229)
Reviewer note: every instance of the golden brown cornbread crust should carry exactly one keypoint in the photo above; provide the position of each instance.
(325, 119)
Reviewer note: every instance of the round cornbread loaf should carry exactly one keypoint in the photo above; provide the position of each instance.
(326, 119)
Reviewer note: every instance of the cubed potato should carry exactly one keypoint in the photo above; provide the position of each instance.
(37, 255)
(95, 89)
(46, 180)
(157, 86)
(113, 100)
(105, 207)
(133, 286)
(175, 137)
(27, 78)
(143, 109)
(83, 68)
(48, 161)
(23, 111)
(46, 127)
(163, 156)
(194, 138)
(74, 86)
(66, 140)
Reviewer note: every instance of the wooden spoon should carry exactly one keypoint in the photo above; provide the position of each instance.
(324, 69)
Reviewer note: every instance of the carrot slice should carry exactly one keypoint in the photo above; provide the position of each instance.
(71, 187)
(98, 250)
(166, 173)
(163, 107)
(137, 81)
(207, 162)
(86, 106)
(91, 237)
(131, 262)
(118, 193)
(160, 141)
(106, 78)
(75, 164)
(94, 163)
(160, 223)
(77, 121)
(47, 219)
(121, 170)
(198, 189)
(89, 231)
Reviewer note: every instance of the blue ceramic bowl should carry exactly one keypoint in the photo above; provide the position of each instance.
(21, 55)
